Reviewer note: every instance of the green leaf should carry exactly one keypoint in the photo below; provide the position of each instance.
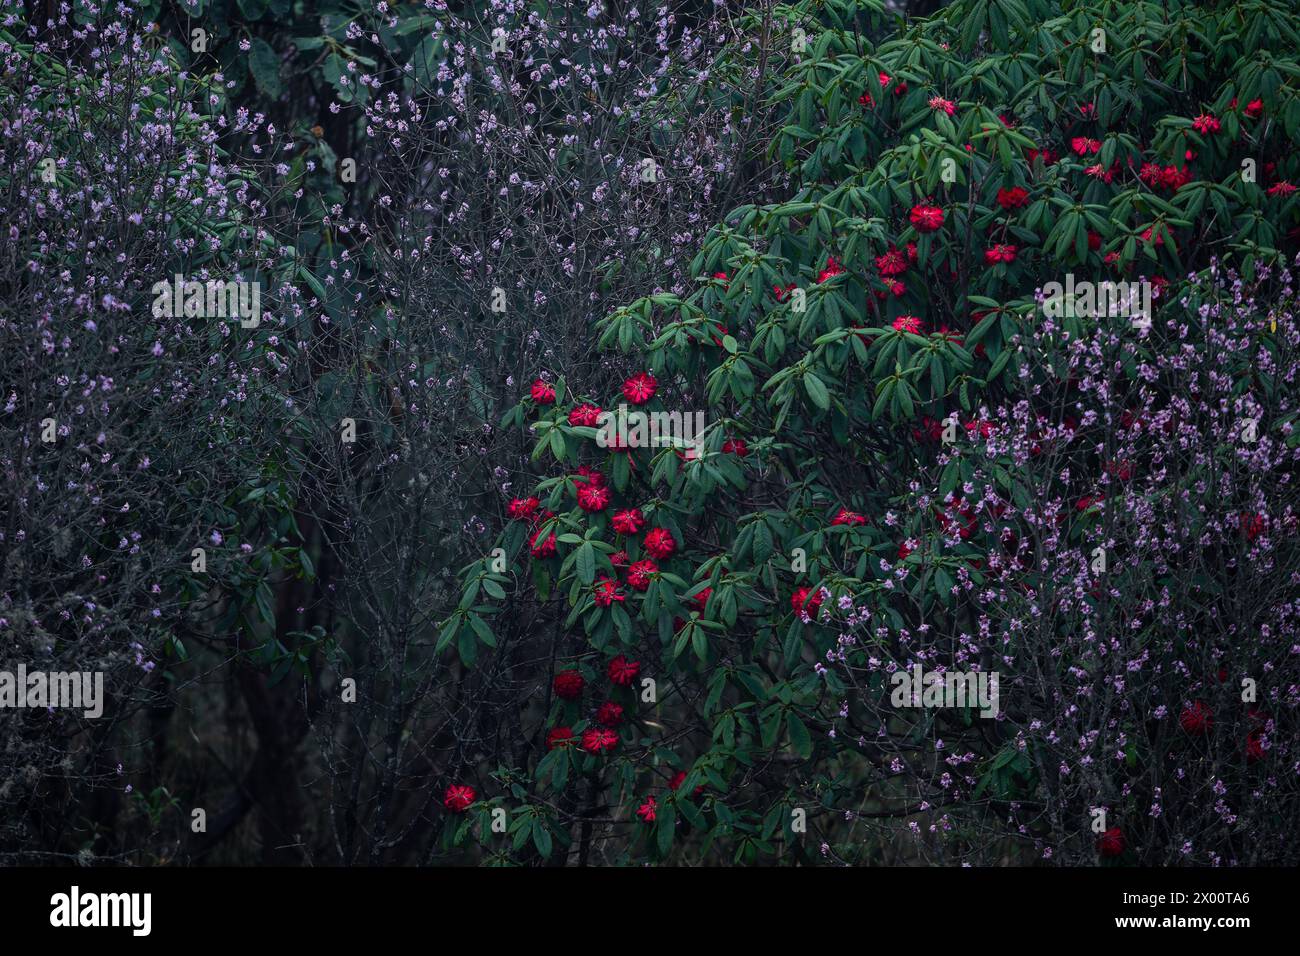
(542, 838)
(587, 564)
(265, 66)
(817, 391)
(665, 827)
(800, 739)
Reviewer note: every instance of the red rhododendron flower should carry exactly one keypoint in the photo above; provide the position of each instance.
(1012, 198)
(585, 414)
(904, 550)
(1205, 124)
(701, 600)
(926, 218)
(846, 517)
(609, 714)
(1094, 241)
(1254, 747)
(1123, 470)
(628, 521)
(1283, 188)
(1098, 171)
(559, 737)
(897, 288)
(735, 446)
(947, 522)
(568, 685)
(660, 543)
(1111, 843)
(623, 671)
(1147, 234)
(1049, 156)
(542, 548)
(678, 779)
(1174, 178)
(618, 559)
(891, 263)
(543, 392)
(884, 79)
(781, 293)
(833, 268)
(1196, 719)
(593, 497)
(647, 810)
(930, 429)
(1002, 252)
(1082, 145)
(458, 798)
(598, 740)
(908, 323)
(1255, 108)
(521, 509)
(640, 388)
(592, 476)
(806, 599)
(638, 575)
(605, 592)
(939, 103)
(866, 99)
(1252, 525)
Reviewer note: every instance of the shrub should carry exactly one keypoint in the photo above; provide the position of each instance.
(913, 458)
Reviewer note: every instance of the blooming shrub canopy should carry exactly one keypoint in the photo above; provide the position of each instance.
(918, 455)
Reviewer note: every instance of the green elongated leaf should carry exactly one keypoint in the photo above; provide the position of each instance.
(882, 400)
(762, 542)
(484, 632)
(800, 739)
(665, 829)
(265, 66)
(999, 364)
(905, 400)
(542, 838)
(316, 286)
(817, 391)
(700, 642)
(448, 632)
(943, 584)
(586, 563)
(426, 59)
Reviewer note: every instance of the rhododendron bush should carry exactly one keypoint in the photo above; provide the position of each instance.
(918, 456)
